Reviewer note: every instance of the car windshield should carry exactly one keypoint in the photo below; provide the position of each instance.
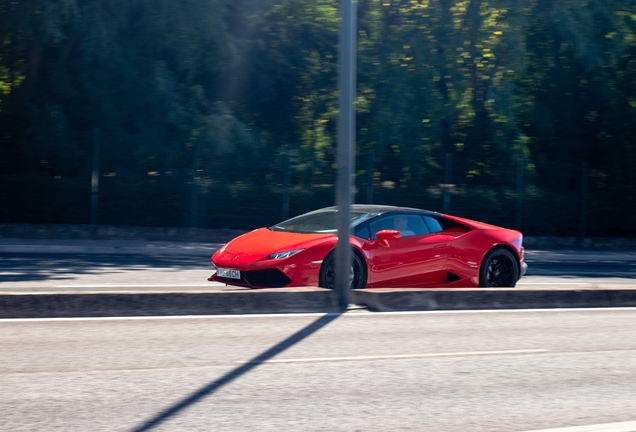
(320, 221)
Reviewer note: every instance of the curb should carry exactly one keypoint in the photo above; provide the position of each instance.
(212, 235)
(208, 250)
(116, 232)
(300, 300)
(481, 299)
(72, 305)
(578, 255)
(109, 250)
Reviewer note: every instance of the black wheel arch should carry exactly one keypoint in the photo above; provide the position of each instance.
(360, 256)
(506, 247)
(493, 251)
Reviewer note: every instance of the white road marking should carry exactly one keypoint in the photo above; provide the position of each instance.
(401, 356)
(522, 284)
(209, 284)
(108, 267)
(312, 314)
(629, 426)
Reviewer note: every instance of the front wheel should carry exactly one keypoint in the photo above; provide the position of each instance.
(357, 272)
(499, 269)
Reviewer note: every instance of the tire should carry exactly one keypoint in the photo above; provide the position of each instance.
(358, 275)
(499, 269)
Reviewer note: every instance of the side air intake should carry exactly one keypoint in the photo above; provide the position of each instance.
(452, 277)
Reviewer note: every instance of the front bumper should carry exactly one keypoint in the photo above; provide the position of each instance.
(266, 278)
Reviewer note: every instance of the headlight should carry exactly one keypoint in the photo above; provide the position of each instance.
(286, 254)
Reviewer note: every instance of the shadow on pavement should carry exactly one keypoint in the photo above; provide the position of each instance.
(236, 373)
(42, 267)
(583, 269)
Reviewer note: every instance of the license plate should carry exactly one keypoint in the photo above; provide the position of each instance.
(228, 273)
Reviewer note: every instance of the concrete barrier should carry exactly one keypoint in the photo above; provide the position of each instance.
(114, 248)
(110, 232)
(300, 300)
(65, 305)
(211, 235)
(480, 299)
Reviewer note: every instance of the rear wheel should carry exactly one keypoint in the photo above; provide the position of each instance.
(499, 269)
(357, 272)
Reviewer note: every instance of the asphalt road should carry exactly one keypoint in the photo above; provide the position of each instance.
(91, 272)
(108, 272)
(434, 371)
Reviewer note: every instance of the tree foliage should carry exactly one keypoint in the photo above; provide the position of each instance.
(243, 93)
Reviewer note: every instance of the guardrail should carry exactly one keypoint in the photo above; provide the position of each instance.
(202, 235)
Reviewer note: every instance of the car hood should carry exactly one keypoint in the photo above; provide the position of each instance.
(258, 244)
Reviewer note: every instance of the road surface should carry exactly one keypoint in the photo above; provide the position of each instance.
(429, 371)
(91, 272)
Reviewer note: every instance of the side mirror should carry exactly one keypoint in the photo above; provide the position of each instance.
(386, 235)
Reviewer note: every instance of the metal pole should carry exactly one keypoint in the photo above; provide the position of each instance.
(95, 177)
(584, 188)
(346, 140)
(370, 169)
(194, 191)
(519, 196)
(447, 182)
(286, 184)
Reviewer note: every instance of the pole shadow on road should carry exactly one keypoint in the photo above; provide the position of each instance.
(241, 370)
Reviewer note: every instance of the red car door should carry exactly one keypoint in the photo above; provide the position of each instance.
(415, 258)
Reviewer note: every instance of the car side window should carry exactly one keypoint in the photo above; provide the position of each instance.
(408, 225)
(435, 225)
(362, 231)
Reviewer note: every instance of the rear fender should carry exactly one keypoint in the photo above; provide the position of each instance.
(468, 251)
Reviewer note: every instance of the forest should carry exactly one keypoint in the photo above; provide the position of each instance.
(223, 113)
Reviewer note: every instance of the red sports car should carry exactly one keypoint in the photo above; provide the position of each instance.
(392, 247)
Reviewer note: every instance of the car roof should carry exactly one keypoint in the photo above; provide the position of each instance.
(381, 209)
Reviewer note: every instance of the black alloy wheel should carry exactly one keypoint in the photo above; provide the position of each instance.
(499, 269)
(357, 272)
